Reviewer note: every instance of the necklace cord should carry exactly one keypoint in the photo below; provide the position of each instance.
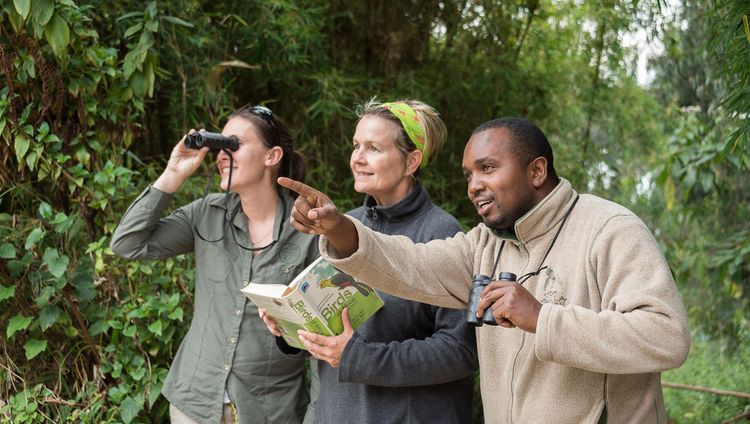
(229, 216)
(525, 277)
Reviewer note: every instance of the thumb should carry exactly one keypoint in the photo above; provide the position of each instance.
(324, 213)
(345, 320)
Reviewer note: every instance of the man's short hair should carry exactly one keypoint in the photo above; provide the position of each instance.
(528, 141)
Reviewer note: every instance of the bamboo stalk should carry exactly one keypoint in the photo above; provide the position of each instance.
(705, 389)
(737, 418)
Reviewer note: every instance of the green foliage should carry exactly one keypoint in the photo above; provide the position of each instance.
(97, 93)
(710, 365)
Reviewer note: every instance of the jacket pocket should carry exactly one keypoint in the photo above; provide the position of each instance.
(214, 262)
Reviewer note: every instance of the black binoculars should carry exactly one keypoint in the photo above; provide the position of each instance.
(478, 283)
(213, 141)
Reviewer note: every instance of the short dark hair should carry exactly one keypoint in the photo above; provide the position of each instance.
(528, 141)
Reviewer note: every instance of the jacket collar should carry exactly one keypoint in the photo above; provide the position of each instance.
(417, 199)
(283, 209)
(543, 217)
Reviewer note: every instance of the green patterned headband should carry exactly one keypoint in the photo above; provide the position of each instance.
(410, 122)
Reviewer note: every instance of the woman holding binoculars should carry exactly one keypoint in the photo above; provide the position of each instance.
(410, 362)
(228, 368)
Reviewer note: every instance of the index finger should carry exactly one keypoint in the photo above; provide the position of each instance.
(296, 186)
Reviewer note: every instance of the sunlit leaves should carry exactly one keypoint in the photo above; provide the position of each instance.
(7, 292)
(56, 264)
(22, 7)
(7, 251)
(34, 347)
(17, 323)
(57, 34)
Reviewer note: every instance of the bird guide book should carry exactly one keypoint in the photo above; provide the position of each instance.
(313, 301)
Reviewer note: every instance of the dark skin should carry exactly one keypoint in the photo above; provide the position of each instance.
(501, 187)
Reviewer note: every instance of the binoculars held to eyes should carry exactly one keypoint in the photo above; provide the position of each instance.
(213, 141)
(478, 283)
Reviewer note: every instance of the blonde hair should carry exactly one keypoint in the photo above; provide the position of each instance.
(429, 120)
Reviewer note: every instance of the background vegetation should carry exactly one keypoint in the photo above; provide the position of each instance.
(94, 95)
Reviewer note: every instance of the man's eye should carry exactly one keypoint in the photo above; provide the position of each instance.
(487, 168)
(374, 149)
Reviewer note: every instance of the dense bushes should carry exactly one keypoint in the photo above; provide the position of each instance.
(95, 95)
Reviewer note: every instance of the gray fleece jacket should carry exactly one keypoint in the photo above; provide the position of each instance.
(410, 362)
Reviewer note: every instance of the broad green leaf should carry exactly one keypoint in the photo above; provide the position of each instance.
(43, 10)
(129, 331)
(156, 327)
(31, 160)
(57, 34)
(130, 408)
(34, 347)
(16, 324)
(33, 238)
(22, 146)
(133, 29)
(139, 84)
(7, 292)
(22, 7)
(7, 251)
(45, 211)
(84, 284)
(177, 21)
(48, 316)
(153, 395)
(129, 15)
(152, 26)
(16, 268)
(137, 313)
(98, 327)
(56, 264)
(176, 314)
(42, 299)
(137, 373)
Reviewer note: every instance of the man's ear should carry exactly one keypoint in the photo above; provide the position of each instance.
(413, 160)
(274, 155)
(538, 171)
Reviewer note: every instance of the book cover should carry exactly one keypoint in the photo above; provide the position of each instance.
(314, 300)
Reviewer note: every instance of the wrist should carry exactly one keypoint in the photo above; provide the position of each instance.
(169, 181)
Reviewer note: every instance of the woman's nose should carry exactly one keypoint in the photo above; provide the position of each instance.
(358, 156)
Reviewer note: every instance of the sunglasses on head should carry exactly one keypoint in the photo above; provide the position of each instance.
(266, 115)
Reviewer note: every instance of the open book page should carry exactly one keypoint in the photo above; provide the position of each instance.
(314, 300)
(329, 291)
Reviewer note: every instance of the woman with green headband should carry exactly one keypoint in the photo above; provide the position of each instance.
(410, 362)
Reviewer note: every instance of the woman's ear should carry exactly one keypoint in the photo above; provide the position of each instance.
(413, 160)
(538, 171)
(274, 155)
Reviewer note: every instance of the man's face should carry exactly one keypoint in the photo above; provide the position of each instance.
(499, 186)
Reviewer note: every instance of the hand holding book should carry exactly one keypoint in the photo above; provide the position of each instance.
(270, 323)
(328, 348)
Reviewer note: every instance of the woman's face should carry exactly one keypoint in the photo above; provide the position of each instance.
(253, 161)
(379, 168)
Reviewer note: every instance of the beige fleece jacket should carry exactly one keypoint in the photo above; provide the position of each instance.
(611, 319)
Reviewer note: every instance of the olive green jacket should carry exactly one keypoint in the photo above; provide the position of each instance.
(227, 345)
